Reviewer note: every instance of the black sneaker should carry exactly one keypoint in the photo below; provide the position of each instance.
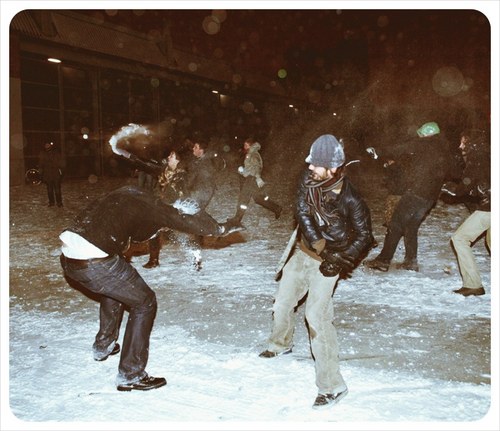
(327, 400)
(116, 350)
(145, 384)
(379, 265)
(269, 354)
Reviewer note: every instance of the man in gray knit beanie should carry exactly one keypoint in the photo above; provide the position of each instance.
(333, 235)
(326, 151)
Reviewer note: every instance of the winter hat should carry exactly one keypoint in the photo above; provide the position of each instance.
(428, 129)
(327, 152)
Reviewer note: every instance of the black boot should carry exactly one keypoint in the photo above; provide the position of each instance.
(154, 252)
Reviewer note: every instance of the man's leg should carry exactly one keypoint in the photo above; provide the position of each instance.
(477, 223)
(110, 318)
(291, 290)
(323, 335)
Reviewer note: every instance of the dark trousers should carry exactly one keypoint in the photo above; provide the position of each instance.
(248, 191)
(54, 192)
(408, 215)
(119, 285)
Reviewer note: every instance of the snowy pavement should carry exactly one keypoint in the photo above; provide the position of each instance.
(413, 354)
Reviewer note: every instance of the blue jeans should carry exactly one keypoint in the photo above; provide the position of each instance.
(119, 285)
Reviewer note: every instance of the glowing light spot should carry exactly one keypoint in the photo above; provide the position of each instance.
(193, 67)
(93, 179)
(448, 81)
(248, 107)
(219, 15)
(237, 78)
(282, 73)
(53, 60)
(210, 25)
(85, 136)
(226, 148)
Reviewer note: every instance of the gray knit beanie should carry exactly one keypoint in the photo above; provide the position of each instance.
(326, 152)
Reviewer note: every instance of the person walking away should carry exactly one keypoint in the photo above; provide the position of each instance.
(51, 165)
(426, 163)
(252, 186)
(92, 258)
(475, 191)
(334, 225)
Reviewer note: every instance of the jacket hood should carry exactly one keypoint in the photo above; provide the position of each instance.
(254, 147)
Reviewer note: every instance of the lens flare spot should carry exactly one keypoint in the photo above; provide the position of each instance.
(282, 73)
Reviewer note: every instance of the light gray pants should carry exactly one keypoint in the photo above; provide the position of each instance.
(476, 224)
(301, 275)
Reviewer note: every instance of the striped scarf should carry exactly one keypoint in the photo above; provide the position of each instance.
(316, 191)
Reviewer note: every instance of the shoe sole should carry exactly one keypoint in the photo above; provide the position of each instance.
(335, 401)
(115, 351)
(144, 388)
(286, 352)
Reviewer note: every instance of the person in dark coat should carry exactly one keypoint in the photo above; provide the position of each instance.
(51, 165)
(334, 226)
(92, 257)
(428, 163)
(474, 190)
(201, 173)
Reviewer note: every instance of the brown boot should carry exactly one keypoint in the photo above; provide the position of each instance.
(154, 252)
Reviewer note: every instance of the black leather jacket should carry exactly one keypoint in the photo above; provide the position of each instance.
(349, 229)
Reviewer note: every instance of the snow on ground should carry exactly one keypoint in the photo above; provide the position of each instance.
(414, 355)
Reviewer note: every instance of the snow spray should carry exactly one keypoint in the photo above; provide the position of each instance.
(130, 131)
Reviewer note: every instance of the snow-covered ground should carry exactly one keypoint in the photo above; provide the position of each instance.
(414, 355)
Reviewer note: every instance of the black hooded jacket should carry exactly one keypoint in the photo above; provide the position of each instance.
(425, 164)
(348, 228)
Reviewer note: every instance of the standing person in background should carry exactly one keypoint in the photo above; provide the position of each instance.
(170, 187)
(201, 173)
(334, 225)
(252, 186)
(51, 165)
(475, 191)
(202, 176)
(426, 163)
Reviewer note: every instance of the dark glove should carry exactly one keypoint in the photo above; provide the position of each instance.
(335, 263)
(329, 269)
